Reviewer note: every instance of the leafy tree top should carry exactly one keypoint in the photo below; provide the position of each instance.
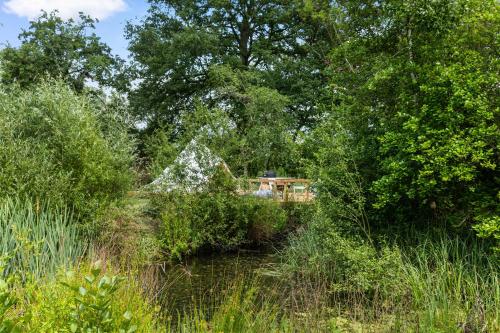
(178, 45)
(62, 49)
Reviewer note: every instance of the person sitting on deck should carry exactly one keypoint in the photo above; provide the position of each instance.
(265, 190)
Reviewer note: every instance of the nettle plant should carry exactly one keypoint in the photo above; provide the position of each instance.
(92, 309)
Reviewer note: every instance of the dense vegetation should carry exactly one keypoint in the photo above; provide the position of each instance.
(217, 218)
(390, 107)
(69, 149)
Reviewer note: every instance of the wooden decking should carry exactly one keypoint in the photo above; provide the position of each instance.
(280, 188)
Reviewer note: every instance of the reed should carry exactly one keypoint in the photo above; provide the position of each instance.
(37, 239)
(443, 284)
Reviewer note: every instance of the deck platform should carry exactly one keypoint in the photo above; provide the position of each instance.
(282, 189)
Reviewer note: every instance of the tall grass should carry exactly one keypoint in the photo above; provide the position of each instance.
(452, 283)
(37, 239)
(443, 284)
(239, 310)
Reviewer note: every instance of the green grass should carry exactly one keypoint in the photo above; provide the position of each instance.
(37, 240)
(452, 283)
(448, 284)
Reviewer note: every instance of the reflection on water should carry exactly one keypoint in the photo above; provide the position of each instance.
(202, 281)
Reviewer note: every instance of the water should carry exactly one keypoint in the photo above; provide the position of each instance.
(202, 281)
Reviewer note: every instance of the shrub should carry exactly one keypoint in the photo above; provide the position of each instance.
(216, 218)
(7, 302)
(84, 300)
(92, 304)
(349, 263)
(266, 218)
(64, 151)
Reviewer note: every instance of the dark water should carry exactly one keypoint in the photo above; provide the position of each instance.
(203, 281)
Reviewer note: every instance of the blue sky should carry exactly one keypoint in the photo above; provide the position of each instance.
(113, 14)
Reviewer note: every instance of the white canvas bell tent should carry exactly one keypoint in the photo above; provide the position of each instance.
(193, 168)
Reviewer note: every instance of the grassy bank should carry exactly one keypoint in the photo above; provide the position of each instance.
(445, 286)
(327, 281)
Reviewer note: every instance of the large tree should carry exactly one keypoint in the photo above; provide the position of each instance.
(417, 83)
(52, 47)
(180, 45)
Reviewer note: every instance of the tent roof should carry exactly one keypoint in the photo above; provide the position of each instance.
(192, 168)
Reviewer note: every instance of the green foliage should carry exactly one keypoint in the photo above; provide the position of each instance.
(259, 118)
(160, 150)
(439, 285)
(337, 176)
(129, 233)
(489, 227)
(452, 282)
(92, 305)
(446, 151)
(239, 311)
(415, 83)
(83, 300)
(266, 218)
(348, 262)
(7, 302)
(180, 43)
(216, 220)
(37, 238)
(61, 50)
(215, 217)
(246, 125)
(66, 151)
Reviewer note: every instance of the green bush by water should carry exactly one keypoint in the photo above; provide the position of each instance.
(62, 148)
(223, 221)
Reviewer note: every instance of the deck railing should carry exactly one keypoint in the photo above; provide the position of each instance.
(280, 188)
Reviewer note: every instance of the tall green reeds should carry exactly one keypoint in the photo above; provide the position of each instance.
(442, 284)
(37, 239)
(452, 283)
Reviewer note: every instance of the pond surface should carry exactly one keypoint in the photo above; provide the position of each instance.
(202, 281)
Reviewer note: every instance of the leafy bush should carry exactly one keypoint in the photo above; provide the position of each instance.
(216, 218)
(348, 262)
(84, 300)
(64, 151)
(420, 103)
(266, 218)
(221, 221)
(7, 302)
(92, 309)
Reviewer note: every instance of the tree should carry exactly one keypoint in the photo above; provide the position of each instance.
(418, 82)
(59, 49)
(177, 46)
(247, 126)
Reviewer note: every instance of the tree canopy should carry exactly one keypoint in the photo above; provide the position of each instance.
(180, 45)
(418, 89)
(53, 47)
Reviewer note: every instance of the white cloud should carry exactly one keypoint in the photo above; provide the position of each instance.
(100, 9)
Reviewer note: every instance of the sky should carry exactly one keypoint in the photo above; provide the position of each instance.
(112, 14)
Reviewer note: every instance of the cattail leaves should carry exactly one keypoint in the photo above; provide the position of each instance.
(39, 239)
